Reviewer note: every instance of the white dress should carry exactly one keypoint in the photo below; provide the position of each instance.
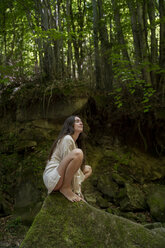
(51, 175)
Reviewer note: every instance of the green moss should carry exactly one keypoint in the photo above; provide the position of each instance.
(156, 201)
(61, 223)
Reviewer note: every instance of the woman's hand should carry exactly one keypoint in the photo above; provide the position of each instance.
(87, 171)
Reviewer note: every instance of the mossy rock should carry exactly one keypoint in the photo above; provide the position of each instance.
(156, 201)
(54, 109)
(153, 225)
(118, 179)
(107, 186)
(136, 217)
(102, 202)
(61, 223)
(145, 168)
(160, 231)
(27, 202)
(134, 200)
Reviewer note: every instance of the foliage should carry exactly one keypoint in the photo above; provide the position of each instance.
(73, 41)
(13, 223)
(121, 160)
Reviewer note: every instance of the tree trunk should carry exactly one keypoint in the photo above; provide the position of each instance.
(4, 38)
(46, 43)
(75, 45)
(69, 51)
(73, 66)
(21, 42)
(143, 43)
(96, 46)
(39, 41)
(162, 44)
(77, 37)
(61, 69)
(119, 31)
(105, 48)
(133, 14)
(154, 55)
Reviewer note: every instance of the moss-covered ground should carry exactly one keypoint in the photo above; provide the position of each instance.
(61, 223)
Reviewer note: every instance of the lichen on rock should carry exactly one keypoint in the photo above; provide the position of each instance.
(61, 223)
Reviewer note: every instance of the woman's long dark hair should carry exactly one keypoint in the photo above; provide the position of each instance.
(68, 128)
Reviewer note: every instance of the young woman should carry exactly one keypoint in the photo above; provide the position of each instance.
(63, 172)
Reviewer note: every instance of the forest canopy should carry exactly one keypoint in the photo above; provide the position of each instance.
(107, 44)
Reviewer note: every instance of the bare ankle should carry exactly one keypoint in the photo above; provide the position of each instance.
(66, 187)
(69, 194)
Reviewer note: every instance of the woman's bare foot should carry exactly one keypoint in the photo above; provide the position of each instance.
(82, 197)
(68, 193)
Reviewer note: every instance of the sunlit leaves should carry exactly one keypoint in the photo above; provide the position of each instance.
(35, 33)
(50, 34)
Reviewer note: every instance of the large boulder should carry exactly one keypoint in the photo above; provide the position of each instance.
(61, 223)
(58, 110)
(134, 198)
(27, 202)
(107, 186)
(156, 201)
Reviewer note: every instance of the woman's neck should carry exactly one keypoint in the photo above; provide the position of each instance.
(75, 136)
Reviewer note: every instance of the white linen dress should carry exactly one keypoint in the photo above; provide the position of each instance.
(51, 175)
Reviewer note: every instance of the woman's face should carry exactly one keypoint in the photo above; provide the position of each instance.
(78, 125)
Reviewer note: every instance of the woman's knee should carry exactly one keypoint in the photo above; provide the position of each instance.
(78, 153)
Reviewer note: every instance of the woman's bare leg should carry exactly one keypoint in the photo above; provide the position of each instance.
(67, 168)
(66, 190)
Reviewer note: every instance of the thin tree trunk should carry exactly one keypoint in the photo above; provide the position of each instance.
(145, 21)
(136, 35)
(51, 25)
(154, 55)
(21, 68)
(76, 50)
(4, 38)
(73, 64)
(82, 11)
(14, 35)
(105, 48)
(162, 32)
(60, 44)
(96, 46)
(39, 40)
(46, 45)
(77, 43)
(143, 43)
(69, 51)
(119, 30)
(55, 42)
(161, 84)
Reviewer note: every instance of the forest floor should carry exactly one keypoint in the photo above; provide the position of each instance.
(12, 232)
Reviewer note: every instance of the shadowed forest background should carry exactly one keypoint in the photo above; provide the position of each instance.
(103, 60)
